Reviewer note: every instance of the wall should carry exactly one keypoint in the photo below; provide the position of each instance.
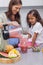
(32, 2)
(4, 3)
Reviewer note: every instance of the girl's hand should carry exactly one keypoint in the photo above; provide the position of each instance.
(36, 49)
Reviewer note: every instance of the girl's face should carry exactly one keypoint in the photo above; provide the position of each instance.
(32, 19)
(16, 8)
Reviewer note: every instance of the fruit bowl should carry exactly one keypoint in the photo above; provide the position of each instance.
(7, 58)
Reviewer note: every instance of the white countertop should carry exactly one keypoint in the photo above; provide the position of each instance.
(30, 58)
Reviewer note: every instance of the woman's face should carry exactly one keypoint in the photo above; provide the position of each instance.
(32, 19)
(16, 8)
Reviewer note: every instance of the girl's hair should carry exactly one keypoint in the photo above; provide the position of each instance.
(36, 14)
(9, 13)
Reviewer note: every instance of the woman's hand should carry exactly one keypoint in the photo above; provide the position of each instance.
(1, 25)
(14, 23)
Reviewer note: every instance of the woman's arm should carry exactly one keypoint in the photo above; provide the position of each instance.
(14, 23)
(1, 25)
(9, 23)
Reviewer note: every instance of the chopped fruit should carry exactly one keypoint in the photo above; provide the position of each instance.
(2, 54)
(11, 54)
(36, 49)
(15, 51)
(8, 48)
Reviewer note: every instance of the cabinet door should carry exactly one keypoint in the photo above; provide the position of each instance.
(32, 2)
(4, 3)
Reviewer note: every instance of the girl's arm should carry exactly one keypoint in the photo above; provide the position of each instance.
(34, 38)
(29, 35)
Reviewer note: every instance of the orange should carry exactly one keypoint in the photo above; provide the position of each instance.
(8, 48)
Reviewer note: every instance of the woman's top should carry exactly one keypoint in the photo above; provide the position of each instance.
(3, 43)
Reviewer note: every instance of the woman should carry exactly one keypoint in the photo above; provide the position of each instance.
(11, 15)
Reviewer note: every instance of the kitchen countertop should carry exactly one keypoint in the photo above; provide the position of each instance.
(29, 58)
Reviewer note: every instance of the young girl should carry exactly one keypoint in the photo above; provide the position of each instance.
(35, 28)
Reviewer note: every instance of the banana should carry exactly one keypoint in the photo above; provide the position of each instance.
(13, 53)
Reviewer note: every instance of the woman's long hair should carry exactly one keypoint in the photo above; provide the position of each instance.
(9, 12)
(36, 14)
